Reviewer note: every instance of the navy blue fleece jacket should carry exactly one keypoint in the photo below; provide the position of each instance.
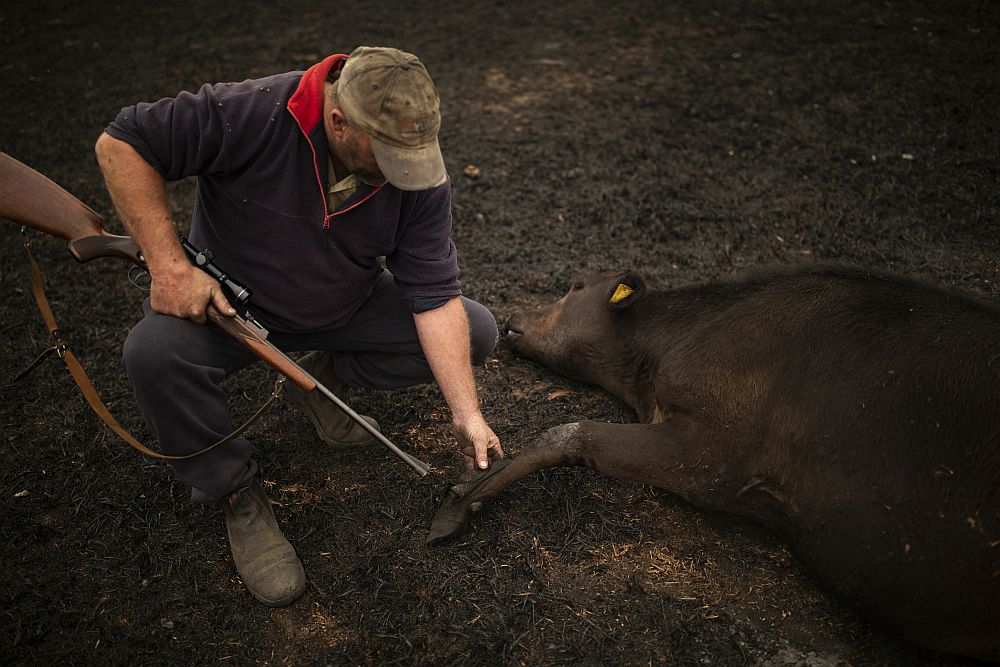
(260, 153)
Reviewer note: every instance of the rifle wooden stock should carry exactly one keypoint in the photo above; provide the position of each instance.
(244, 332)
(32, 199)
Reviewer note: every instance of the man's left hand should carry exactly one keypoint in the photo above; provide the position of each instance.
(478, 442)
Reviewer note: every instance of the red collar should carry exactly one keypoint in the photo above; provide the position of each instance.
(306, 104)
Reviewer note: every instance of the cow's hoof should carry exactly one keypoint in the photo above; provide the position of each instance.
(452, 518)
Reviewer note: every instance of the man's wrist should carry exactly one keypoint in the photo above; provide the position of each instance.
(168, 261)
(459, 418)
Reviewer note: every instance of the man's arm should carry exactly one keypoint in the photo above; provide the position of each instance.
(444, 336)
(139, 194)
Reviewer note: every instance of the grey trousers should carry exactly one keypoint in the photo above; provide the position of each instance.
(176, 366)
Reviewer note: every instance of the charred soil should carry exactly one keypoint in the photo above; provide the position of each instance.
(688, 140)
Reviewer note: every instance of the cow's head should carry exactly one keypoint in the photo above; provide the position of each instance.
(580, 335)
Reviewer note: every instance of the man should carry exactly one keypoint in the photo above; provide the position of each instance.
(305, 180)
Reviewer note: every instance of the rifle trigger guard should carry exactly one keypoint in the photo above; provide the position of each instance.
(140, 278)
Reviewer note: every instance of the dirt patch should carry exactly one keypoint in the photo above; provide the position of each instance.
(686, 139)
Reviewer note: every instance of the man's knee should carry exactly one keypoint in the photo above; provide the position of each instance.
(160, 345)
(483, 330)
(139, 354)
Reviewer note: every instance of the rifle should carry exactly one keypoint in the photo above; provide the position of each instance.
(32, 199)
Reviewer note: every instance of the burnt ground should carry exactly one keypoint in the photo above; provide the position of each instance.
(688, 139)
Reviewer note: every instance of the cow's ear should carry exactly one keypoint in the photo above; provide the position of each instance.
(625, 291)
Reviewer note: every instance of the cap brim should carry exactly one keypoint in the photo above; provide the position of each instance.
(410, 168)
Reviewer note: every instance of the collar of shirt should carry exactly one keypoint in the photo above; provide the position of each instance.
(339, 191)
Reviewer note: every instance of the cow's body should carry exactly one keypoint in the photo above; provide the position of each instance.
(856, 414)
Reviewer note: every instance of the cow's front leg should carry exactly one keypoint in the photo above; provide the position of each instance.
(661, 454)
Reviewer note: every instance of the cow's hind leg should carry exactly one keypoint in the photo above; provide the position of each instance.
(661, 454)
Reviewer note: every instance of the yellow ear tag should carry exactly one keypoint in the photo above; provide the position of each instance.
(621, 293)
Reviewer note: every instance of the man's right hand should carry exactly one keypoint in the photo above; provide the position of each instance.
(186, 292)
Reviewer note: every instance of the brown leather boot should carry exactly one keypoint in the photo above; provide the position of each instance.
(265, 560)
(332, 424)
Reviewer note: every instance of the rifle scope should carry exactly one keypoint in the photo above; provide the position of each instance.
(203, 260)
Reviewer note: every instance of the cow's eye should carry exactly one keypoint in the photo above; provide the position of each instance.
(576, 287)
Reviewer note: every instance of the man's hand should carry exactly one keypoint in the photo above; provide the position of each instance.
(478, 442)
(186, 292)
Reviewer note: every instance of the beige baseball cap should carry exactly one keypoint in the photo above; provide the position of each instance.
(390, 95)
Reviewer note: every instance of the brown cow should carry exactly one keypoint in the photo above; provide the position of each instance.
(855, 413)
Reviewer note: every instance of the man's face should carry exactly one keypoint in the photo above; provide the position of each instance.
(354, 149)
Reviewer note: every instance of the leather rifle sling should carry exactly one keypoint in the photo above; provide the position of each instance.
(87, 388)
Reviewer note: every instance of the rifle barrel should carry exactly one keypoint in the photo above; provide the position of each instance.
(412, 461)
(254, 337)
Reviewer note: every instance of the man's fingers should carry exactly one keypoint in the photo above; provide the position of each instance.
(479, 445)
(476, 456)
(482, 459)
(221, 303)
(476, 452)
(494, 450)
